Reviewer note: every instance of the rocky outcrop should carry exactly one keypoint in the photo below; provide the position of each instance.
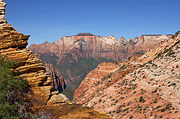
(2, 12)
(144, 87)
(13, 47)
(45, 97)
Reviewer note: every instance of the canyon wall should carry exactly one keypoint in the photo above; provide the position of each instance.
(57, 80)
(96, 46)
(144, 87)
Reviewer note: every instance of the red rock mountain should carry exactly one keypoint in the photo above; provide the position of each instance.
(144, 87)
(75, 56)
(89, 45)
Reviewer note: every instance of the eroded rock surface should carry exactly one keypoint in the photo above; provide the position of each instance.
(144, 87)
(96, 46)
(13, 47)
(2, 12)
(74, 56)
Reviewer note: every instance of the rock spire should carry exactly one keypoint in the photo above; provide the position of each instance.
(2, 12)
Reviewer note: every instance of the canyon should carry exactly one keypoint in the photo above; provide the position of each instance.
(105, 77)
(143, 87)
(74, 56)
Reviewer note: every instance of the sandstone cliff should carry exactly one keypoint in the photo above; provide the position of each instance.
(13, 47)
(96, 46)
(144, 87)
(45, 97)
(69, 52)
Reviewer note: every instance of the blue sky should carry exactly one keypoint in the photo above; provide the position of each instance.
(49, 20)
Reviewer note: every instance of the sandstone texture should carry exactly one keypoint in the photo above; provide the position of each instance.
(31, 68)
(13, 47)
(2, 12)
(143, 87)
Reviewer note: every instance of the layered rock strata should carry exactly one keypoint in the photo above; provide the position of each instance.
(144, 87)
(13, 47)
(69, 52)
(2, 12)
(96, 46)
(45, 97)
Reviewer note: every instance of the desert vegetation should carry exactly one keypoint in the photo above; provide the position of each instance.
(14, 102)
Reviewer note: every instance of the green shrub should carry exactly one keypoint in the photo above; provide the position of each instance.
(141, 99)
(125, 109)
(154, 91)
(13, 92)
(168, 107)
(155, 101)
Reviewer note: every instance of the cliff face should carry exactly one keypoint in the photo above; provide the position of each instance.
(144, 87)
(75, 56)
(57, 80)
(45, 97)
(13, 47)
(89, 45)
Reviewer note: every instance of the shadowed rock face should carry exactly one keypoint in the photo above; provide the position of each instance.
(57, 80)
(144, 87)
(46, 98)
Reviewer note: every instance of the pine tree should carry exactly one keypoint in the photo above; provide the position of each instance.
(14, 100)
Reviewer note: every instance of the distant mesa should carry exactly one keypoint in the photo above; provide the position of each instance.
(84, 34)
(156, 35)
